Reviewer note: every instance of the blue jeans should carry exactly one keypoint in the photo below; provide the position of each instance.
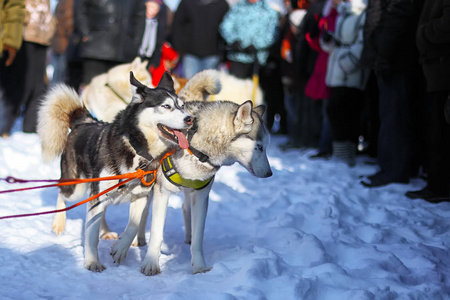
(194, 64)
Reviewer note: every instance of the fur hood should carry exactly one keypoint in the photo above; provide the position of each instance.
(355, 7)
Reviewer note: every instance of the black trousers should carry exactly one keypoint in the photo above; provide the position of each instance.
(94, 67)
(344, 112)
(23, 85)
(438, 152)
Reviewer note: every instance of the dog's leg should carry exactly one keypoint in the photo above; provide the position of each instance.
(105, 232)
(187, 216)
(94, 214)
(119, 250)
(199, 207)
(140, 240)
(150, 265)
(59, 220)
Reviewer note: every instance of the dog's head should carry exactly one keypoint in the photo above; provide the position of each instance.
(160, 110)
(251, 140)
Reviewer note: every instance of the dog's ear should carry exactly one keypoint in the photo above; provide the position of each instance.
(136, 87)
(135, 63)
(243, 119)
(260, 110)
(166, 82)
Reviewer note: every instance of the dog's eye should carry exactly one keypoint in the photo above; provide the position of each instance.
(259, 148)
(166, 106)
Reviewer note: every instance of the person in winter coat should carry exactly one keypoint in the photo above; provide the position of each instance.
(154, 35)
(249, 29)
(11, 25)
(195, 34)
(390, 50)
(316, 90)
(28, 83)
(64, 14)
(346, 78)
(433, 42)
(11, 35)
(111, 33)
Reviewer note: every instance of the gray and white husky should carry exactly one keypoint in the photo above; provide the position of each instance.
(138, 137)
(223, 133)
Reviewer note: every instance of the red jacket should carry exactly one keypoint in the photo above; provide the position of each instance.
(316, 87)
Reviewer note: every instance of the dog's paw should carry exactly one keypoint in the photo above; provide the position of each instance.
(200, 270)
(138, 242)
(109, 236)
(118, 252)
(150, 267)
(94, 266)
(59, 223)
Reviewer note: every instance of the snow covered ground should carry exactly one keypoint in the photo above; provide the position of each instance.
(311, 231)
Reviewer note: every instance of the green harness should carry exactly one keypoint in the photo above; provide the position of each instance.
(174, 177)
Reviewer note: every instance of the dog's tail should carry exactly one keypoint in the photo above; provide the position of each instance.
(201, 85)
(60, 105)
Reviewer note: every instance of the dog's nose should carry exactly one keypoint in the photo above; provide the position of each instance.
(189, 120)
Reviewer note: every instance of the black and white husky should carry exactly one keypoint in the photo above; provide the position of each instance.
(223, 133)
(138, 137)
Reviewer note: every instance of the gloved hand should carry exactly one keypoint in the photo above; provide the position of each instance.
(236, 46)
(11, 54)
(250, 49)
(327, 37)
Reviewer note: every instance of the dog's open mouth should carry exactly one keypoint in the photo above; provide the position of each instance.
(174, 135)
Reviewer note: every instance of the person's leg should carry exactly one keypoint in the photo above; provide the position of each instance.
(12, 82)
(94, 67)
(209, 62)
(191, 65)
(394, 142)
(36, 79)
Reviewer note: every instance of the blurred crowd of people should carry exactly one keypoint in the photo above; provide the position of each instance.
(341, 76)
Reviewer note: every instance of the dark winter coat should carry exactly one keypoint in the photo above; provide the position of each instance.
(306, 55)
(433, 41)
(110, 29)
(195, 27)
(161, 37)
(389, 36)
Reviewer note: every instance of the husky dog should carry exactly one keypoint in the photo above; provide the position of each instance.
(139, 136)
(223, 133)
(110, 92)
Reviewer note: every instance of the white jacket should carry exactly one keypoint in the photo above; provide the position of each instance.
(344, 68)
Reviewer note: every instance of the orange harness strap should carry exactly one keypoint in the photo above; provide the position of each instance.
(62, 182)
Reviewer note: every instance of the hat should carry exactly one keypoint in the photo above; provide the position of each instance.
(296, 17)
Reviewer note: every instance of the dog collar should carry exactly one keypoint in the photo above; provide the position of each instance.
(174, 177)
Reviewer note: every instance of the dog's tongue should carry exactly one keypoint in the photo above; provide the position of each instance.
(182, 141)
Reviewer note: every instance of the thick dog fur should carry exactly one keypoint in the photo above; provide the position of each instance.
(137, 138)
(237, 90)
(226, 133)
(110, 92)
